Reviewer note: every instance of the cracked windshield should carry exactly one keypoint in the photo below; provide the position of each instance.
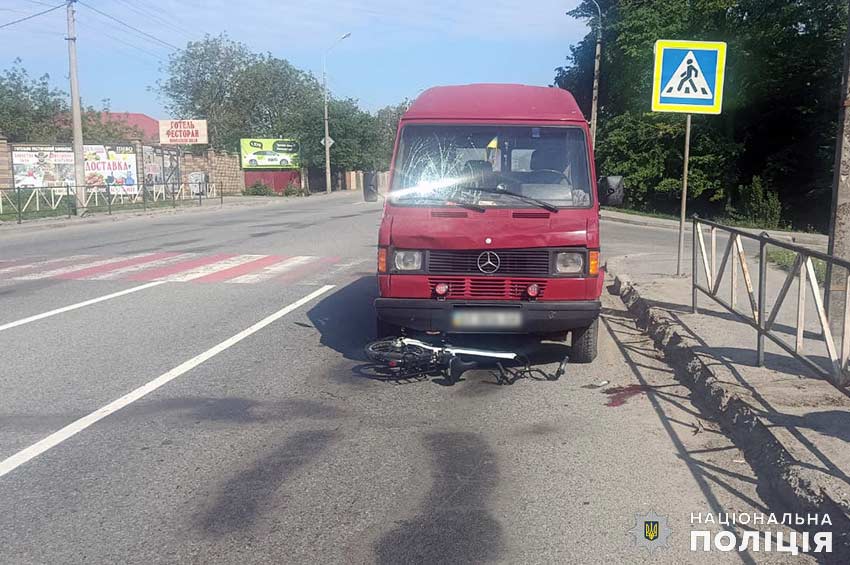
(425, 283)
(484, 165)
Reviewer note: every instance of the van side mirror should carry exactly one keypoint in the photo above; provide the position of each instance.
(370, 186)
(612, 191)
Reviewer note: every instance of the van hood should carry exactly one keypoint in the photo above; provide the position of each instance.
(456, 228)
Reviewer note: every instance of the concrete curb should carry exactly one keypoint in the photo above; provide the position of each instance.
(791, 484)
(811, 239)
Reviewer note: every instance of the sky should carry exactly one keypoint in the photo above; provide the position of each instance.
(396, 48)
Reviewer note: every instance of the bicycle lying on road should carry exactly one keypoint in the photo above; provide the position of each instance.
(408, 358)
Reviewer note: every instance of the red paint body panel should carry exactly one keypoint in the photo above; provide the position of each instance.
(409, 227)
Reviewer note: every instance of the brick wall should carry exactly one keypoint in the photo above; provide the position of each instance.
(222, 169)
(226, 172)
(6, 176)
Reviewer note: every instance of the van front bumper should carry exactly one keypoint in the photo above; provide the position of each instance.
(442, 315)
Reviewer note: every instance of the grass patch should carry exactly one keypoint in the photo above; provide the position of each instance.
(784, 259)
(650, 214)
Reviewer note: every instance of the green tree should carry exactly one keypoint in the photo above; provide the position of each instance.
(778, 123)
(33, 111)
(387, 119)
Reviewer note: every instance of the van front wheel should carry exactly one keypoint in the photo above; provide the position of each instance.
(585, 343)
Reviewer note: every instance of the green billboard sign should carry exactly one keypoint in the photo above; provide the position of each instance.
(270, 154)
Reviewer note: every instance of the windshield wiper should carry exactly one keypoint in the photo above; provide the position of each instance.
(455, 201)
(463, 204)
(541, 203)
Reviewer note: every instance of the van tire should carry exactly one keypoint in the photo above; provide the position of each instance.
(385, 329)
(585, 343)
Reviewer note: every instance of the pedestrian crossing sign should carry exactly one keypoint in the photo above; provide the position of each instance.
(688, 76)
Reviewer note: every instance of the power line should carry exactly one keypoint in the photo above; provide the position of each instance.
(151, 13)
(132, 49)
(128, 26)
(31, 16)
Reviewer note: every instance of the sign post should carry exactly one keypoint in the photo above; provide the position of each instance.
(688, 79)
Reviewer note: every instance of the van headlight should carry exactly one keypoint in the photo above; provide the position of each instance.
(407, 260)
(569, 263)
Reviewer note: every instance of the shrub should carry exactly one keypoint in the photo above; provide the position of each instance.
(259, 188)
(757, 206)
(293, 190)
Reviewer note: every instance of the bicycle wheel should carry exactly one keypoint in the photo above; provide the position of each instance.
(394, 351)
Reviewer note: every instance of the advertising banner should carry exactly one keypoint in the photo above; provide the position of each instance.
(52, 166)
(183, 132)
(42, 166)
(270, 154)
(113, 165)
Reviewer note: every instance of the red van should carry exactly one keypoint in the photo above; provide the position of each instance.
(491, 223)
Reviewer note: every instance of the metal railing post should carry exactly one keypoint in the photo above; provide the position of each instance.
(694, 265)
(200, 195)
(145, 197)
(174, 197)
(762, 307)
(108, 201)
(221, 196)
(68, 199)
(18, 198)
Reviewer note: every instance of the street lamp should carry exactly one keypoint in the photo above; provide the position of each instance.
(595, 102)
(325, 94)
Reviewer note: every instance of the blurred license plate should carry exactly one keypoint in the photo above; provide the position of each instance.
(486, 319)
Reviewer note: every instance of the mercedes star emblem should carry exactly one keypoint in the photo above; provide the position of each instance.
(488, 262)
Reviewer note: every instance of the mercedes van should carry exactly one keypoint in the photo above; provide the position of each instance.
(491, 221)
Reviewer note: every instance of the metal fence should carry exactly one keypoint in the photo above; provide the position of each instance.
(801, 267)
(19, 204)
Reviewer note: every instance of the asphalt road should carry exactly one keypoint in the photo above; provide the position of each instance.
(261, 439)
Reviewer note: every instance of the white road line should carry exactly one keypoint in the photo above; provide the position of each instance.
(118, 273)
(39, 264)
(71, 268)
(54, 439)
(205, 270)
(272, 271)
(78, 305)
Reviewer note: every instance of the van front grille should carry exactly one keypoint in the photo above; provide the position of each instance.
(523, 262)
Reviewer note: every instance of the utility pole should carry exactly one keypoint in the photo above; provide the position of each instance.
(594, 107)
(76, 114)
(327, 143)
(839, 221)
(327, 129)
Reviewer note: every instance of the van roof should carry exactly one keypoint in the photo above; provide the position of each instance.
(495, 101)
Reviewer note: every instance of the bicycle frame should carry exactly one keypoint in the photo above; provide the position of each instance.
(459, 350)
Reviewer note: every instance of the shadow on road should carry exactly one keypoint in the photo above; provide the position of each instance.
(243, 497)
(453, 525)
(346, 318)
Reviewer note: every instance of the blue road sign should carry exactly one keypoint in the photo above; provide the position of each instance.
(688, 76)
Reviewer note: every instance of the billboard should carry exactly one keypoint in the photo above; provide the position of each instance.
(42, 166)
(183, 132)
(270, 154)
(112, 165)
(46, 166)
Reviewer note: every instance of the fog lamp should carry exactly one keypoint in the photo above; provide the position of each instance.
(533, 290)
(441, 289)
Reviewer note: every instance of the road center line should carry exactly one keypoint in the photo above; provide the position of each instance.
(54, 439)
(78, 305)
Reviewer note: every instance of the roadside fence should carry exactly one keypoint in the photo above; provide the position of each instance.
(19, 204)
(806, 265)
